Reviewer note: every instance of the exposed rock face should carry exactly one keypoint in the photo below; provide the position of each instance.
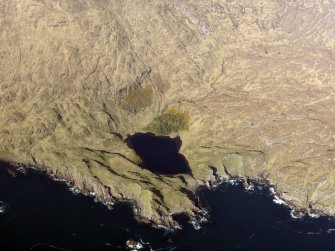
(256, 79)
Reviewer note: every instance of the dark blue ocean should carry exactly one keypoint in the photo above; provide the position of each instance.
(37, 213)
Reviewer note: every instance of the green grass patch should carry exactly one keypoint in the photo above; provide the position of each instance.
(170, 121)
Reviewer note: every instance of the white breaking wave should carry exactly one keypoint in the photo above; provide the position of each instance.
(135, 210)
(234, 181)
(330, 230)
(74, 190)
(296, 215)
(314, 215)
(279, 201)
(313, 233)
(250, 187)
(293, 212)
(3, 207)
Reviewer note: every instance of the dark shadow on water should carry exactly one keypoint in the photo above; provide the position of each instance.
(41, 213)
(159, 154)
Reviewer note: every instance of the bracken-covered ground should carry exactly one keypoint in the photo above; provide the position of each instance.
(254, 81)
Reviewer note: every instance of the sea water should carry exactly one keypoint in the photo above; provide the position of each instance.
(38, 213)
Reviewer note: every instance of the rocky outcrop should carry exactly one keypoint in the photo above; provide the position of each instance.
(255, 78)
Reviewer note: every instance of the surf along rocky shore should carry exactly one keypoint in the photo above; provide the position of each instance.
(252, 105)
(201, 219)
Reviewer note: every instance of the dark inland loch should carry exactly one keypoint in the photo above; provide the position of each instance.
(159, 154)
(38, 213)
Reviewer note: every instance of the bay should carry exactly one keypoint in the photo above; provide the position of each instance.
(38, 213)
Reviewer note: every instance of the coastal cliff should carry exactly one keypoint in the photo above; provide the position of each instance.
(249, 86)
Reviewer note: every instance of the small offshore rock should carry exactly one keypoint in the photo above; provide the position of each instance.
(134, 245)
(3, 207)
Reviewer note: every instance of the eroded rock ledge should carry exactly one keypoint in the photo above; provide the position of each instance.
(248, 86)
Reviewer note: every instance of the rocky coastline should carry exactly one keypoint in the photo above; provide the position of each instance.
(247, 87)
(197, 220)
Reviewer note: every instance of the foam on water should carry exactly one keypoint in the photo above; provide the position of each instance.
(3, 207)
(74, 190)
(222, 232)
(295, 214)
(330, 230)
(314, 215)
(250, 186)
(279, 201)
(234, 181)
